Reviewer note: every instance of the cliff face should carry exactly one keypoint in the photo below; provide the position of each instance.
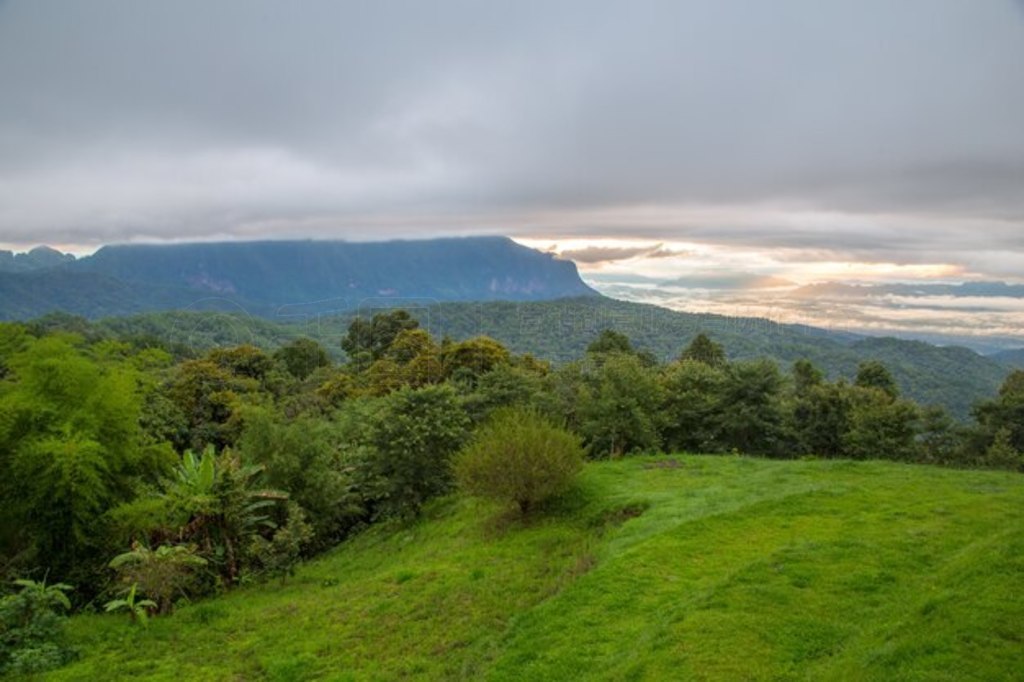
(311, 275)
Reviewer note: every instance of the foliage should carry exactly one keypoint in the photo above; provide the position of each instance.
(618, 406)
(691, 405)
(367, 340)
(751, 419)
(517, 456)
(703, 349)
(161, 574)
(415, 433)
(280, 555)
(873, 374)
(110, 438)
(32, 637)
(1001, 454)
(1006, 411)
(900, 573)
(469, 359)
(138, 609)
(610, 341)
(310, 459)
(302, 357)
(880, 424)
(69, 450)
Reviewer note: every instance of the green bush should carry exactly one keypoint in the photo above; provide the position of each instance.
(32, 628)
(518, 457)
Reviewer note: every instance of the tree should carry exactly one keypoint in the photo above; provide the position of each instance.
(308, 458)
(209, 396)
(806, 377)
(69, 447)
(301, 357)
(881, 427)
(692, 398)
(415, 432)
(468, 360)
(751, 413)
(503, 386)
(367, 340)
(518, 457)
(618, 407)
(412, 359)
(610, 341)
(873, 374)
(703, 349)
(1005, 412)
(1002, 455)
(821, 419)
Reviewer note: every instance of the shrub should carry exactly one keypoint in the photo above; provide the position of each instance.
(32, 628)
(160, 574)
(518, 457)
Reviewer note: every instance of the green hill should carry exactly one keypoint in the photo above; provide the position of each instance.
(560, 330)
(689, 567)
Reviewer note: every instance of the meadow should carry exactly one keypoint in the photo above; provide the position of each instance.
(651, 568)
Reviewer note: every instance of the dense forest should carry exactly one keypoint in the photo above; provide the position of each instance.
(560, 331)
(142, 473)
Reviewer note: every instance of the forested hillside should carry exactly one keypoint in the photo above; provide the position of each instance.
(560, 331)
(139, 475)
(1010, 358)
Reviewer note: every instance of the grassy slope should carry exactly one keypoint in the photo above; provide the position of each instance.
(737, 569)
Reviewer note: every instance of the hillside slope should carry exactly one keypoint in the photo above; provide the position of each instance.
(1010, 358)
(655, 568)
(560, 330)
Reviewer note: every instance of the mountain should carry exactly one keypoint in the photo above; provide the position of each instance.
(263, 277)
(655, 568)
(38, 258)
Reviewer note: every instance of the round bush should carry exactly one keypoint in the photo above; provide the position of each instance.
(518, 456)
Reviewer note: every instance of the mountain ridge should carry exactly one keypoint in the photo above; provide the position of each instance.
(263, 276)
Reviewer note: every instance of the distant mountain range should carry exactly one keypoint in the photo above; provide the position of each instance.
(36, 259)
(265, 277)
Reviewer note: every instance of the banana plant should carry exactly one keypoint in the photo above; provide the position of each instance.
(138, 609)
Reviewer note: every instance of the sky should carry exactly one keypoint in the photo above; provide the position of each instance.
(805, 140)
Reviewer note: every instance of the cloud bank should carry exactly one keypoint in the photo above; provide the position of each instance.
(870, 130)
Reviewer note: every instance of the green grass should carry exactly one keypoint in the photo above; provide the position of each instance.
(688, 567)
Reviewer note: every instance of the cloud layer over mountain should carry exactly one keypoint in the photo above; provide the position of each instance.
(870, 130)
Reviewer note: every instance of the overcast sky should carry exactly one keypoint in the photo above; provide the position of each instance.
(812, 131)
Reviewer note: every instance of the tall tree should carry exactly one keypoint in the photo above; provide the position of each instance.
(751, 414)
(367, 340)
(703, 349)
(873, 374)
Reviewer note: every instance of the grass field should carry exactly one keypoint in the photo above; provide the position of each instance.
(688, 567)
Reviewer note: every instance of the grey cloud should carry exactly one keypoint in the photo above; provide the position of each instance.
(126, 119)
(594, 255)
